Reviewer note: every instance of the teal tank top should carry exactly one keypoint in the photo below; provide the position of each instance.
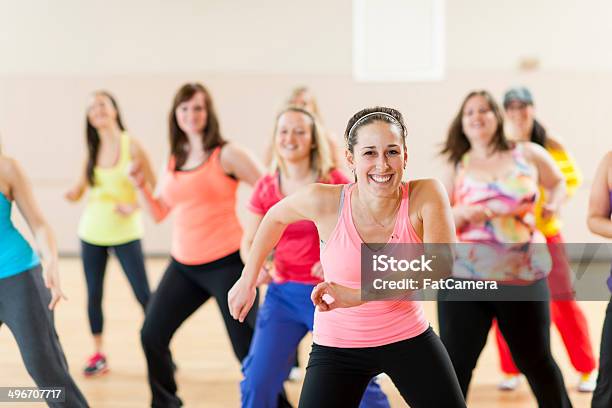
(16, 255)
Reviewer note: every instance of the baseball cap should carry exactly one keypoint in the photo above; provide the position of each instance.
(519, 93)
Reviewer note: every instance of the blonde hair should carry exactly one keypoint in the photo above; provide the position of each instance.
(303, 89)
(320, 155)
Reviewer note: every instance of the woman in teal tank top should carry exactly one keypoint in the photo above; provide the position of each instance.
(28, 294)
(111, 220)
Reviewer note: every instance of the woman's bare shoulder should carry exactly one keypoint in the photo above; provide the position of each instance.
(426, 188)
(8, 167)
(325, 196)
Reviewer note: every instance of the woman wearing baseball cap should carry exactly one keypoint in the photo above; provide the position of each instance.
(565, 311)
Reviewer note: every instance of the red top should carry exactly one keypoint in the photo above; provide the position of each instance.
(298, 249)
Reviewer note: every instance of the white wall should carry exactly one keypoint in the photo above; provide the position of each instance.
(563, 34)
(72, 37)
(138, 36)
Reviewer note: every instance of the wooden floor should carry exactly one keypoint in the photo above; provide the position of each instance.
(208, 374)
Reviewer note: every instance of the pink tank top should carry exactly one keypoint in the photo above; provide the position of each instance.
(374, 323)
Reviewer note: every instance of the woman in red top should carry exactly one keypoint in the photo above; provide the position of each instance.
(199, 188)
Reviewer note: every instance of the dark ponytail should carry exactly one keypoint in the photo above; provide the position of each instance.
(538, 134)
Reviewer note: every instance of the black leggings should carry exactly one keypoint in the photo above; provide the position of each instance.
(182, 290)
(94, 263)
(465, 325)
(419, 367)
(602, 397)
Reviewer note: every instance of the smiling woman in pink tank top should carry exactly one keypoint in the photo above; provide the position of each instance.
(356, 340)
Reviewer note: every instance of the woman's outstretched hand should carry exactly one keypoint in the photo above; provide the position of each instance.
(240, 299)
(52, 282)
(317, 270)
(126, 209)
(328, 296)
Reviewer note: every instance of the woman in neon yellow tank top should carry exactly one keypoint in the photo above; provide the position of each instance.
(565, 312)
(111, 219)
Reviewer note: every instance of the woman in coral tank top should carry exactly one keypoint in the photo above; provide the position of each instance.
(199, 189)
(355, 340)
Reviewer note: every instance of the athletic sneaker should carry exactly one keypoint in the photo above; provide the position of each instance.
(509, 383)
(587, 382)
(96, 365)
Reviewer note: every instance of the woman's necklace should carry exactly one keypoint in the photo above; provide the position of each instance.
(371, 216)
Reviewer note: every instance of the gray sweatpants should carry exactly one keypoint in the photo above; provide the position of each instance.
(23, 308)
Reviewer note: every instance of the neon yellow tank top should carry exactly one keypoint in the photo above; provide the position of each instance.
(573, 179)
(100, 223)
